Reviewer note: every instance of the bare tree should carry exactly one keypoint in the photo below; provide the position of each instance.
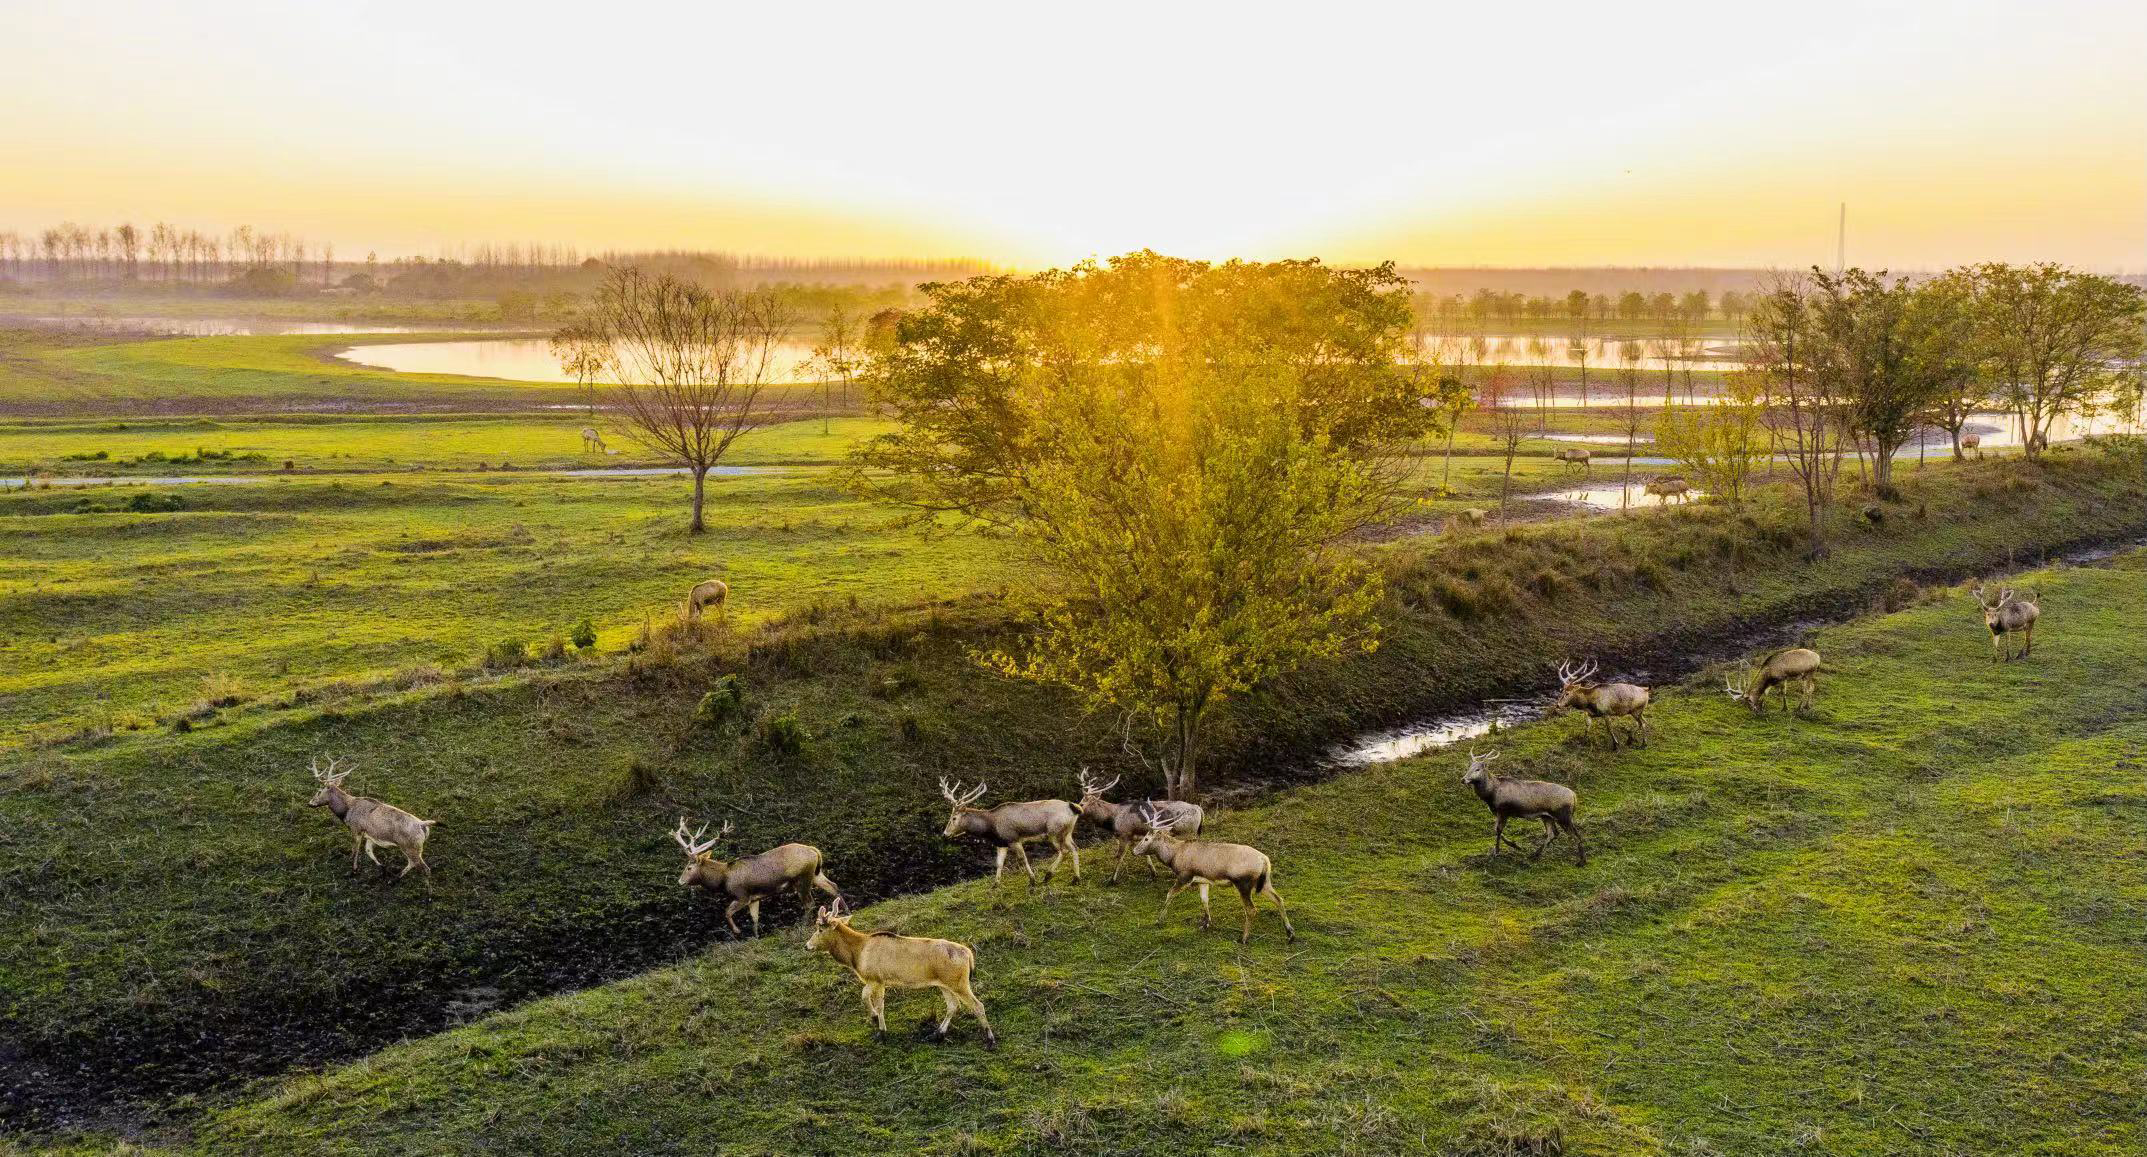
(1508, 422)
(677, 368)
(1630, 352)
(1778, 351)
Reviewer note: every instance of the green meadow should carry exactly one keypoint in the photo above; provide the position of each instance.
(1905, 921)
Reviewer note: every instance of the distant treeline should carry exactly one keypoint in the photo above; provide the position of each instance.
(255, 261)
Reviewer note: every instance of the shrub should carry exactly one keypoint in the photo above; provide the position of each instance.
(584, 635)
(507, 653)
(92, 456)
(221, 689)
(155, 503)
(721, 703)
(555, 649)
(783, 734)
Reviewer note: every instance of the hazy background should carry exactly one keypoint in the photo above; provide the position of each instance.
(1544, 134)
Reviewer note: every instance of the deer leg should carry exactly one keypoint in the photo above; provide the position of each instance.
(1498, 832)
(976, 1009)
(1073, 849)
(1640, 719)
(753, 910)
(1549, 830)
(357, 844)
(824, 884)
(876, 1004)
(369, 853)
(1119, 865)
(998, 868)
(1207, 915)
(1245, 896)
(1289, 930)
(412, 858)
(729, 914)
(1053, 868)
(1176, 886)
(1025, 866)
(1580, 850)
(946, 994)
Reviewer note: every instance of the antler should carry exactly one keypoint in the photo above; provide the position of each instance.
(694, 845)
(1477, 759)
(331, 774)
(1571, 673)
(954, 793)
(1090, 787)
(1729, 684)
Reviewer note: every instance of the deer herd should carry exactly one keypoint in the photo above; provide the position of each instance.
(1165, 833)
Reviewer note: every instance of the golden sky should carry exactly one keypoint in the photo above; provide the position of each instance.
(1501, 134)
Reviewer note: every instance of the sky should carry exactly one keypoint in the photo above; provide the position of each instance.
(1547, 133)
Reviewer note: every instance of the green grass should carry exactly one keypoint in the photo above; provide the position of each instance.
(169, 885)
(119, 619)
(1906, 922)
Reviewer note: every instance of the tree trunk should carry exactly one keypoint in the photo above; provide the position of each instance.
(1183, 782)
(700, 488)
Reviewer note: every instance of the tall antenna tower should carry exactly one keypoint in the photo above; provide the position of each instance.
(1841, 240)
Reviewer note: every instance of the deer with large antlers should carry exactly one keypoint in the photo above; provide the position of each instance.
(372, 824)
(1199, 863)
(883, 960)
(1011, 825)
(2006, 617)
(1798, 665)
(1604, 701)
(1126, 822)
(1524, 799)
(788, 867)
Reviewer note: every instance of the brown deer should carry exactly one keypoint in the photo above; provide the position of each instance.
(789, 867)
(883, 960)
(372, 824)
(710, 593)
(1199, 863)
(1125, 821)
(592, 441)
(1973, 442)
(1668, 487)
(2006, 617)
(1011, 825)
(1524, 799)
(1574, 456)
(1604, 701)
(1798, 665)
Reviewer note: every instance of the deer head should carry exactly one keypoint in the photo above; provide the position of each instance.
(1573, 683)
(1479, 772)
(701, 868)
(960, 802)
(330, 779)
(1092, 792)
(1159, 829)
(823, 920)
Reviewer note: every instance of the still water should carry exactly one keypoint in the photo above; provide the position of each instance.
(524, 359)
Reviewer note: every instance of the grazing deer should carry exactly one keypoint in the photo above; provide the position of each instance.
(592, 442)
(372, 824)
(1524, 799)
(749, 881)
(1199, 863)
(1668, 487)
(2006, 617)
(1797, 665)
(709, 593)
(1472, 517)
(1125, 820)
(1574, 456)
(1010, 825)
(1604, 701)
(1973, 442)
(883, 960)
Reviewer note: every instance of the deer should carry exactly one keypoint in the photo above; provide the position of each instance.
(1798, 664)
(1668, 487)
(1010, 825)
(592, 442)
(707, 593)
(1125, 821)
(1472, 517)
(1604, 701)
(372, 824)
(883, 960)
(2008, 616)
(1574, 456)
(1199, 863)
(1973, 442)
(753, 879)
(1524, 799)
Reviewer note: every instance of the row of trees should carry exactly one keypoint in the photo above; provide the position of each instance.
(1489, 305)
(1855, 364)
(161, 252)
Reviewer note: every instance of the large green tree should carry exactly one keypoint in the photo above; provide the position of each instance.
(2055, 340)
(1182, 450)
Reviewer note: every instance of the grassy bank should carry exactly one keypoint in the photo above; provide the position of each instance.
(1906, 922)
(182, 917)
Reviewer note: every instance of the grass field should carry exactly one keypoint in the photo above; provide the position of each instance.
(181, 918)
(1904, 922)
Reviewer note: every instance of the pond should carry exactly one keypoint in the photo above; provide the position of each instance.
(1609, 497)
(524, 359)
